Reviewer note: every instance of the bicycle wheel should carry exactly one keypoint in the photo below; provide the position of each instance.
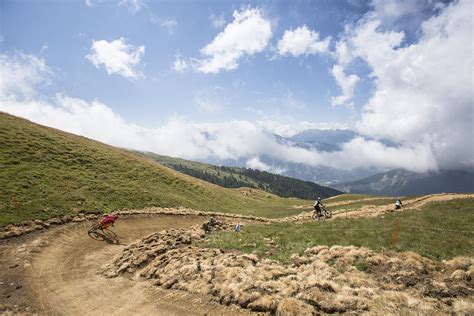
(94, 234)
(328, 214)
(110, 236)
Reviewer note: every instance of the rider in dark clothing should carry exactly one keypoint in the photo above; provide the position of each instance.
(317, 207)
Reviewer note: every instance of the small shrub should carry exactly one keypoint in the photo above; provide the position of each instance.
(361, 264)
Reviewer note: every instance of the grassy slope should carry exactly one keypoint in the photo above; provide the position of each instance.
(417, 232)
(46, 172)
(293, 187)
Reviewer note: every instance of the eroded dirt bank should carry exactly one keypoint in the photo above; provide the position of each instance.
(323, 280)
(58, 272)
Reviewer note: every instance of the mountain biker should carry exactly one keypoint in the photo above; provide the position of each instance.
(398, 204)
(108, 220)
(317, 207)
(207, 226)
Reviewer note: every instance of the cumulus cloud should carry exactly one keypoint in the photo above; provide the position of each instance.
(248, 34)
(178, 137)
(424, 92)
(422, 100)
(302, 41)
(180, 64)
(347, 84)
(117, 57)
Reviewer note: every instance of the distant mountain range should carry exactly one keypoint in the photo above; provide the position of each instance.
(360, 180)
(402, 182)
(236, 177)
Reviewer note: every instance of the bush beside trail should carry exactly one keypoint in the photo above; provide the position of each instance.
(323, 279)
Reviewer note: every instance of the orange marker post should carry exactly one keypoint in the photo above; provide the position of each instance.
(395, 233)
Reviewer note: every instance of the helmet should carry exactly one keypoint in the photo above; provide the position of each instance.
(319, 198)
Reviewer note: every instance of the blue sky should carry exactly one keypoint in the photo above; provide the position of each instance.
(69, 28)
(181, 71)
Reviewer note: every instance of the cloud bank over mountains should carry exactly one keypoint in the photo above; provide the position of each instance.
(422, 99)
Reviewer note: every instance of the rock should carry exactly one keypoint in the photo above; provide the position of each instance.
(38, 222)
(54, 221)
(251, 257)
(123, 267)
(66, 218)
(293, 307)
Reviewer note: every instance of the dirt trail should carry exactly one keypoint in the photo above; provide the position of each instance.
(58, 271)
(59, 274)
(415, 203)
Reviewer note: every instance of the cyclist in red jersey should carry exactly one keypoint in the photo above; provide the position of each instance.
(108, 220)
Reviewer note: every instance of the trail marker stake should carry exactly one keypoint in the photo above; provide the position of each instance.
(395, 233)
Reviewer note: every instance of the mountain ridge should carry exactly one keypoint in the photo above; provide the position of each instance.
(234, 177)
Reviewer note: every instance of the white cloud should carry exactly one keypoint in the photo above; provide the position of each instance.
(302, 41)
(347, 84)
(180, 64)
(21, 74)
(117, 57)
(422, 100)
(389, 10)
(424, 92)
(248, 34)
(133, 5)
(217, 22)
(178, 137)
(255, 163)
(287, 125)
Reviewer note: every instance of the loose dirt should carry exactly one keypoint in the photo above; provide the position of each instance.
(58, 272)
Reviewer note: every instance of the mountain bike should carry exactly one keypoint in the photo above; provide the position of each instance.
(102, 234)
(325, 213)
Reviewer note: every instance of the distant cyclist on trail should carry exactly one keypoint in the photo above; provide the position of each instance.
(317, 207)
(108, 220)
(398, 204)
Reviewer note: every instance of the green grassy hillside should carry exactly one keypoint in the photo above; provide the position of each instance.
(46, 172)
(235, 177)
(441, 230)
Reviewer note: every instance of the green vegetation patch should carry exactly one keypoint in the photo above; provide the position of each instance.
(45, 172)
(440, 230)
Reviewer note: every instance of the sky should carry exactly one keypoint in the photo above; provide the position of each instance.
(214, 79)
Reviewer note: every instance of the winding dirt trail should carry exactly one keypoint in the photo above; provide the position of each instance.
(59, 274)
(410, 204)
(58, 271)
